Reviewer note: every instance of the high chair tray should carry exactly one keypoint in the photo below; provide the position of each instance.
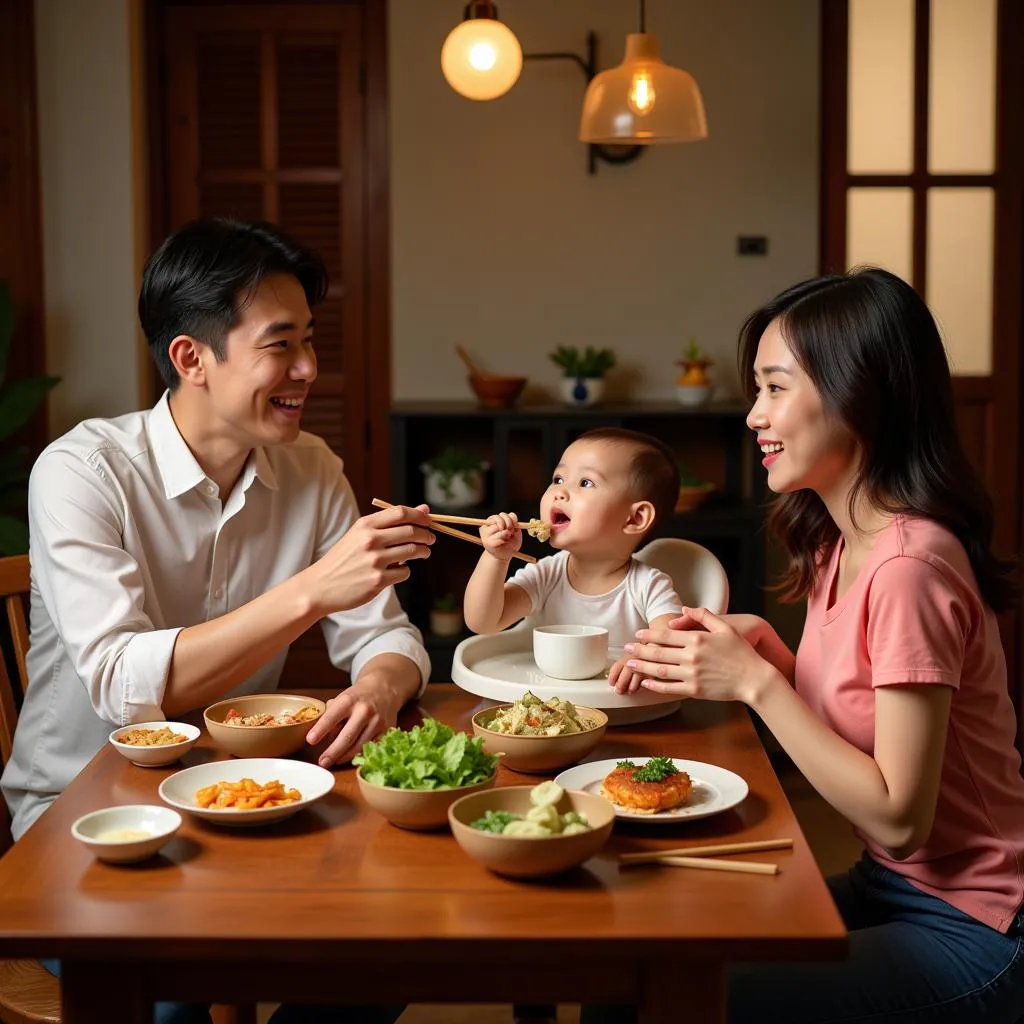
(500, 667)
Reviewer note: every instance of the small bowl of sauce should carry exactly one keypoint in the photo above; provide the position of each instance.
(126, 834)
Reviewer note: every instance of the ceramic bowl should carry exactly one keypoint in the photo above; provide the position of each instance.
(529, 856)
(124, 835)
(540, 754)
(260, 740)
(417, 809)
(570, 652)
(164, 753)
(313, 783)
(495, 391)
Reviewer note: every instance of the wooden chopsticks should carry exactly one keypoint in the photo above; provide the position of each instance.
(694, 857)
(440, 528)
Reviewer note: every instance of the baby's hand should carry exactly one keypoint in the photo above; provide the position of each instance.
(623, 678)
(502, 536)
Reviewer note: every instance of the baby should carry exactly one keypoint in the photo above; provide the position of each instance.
(606, 494)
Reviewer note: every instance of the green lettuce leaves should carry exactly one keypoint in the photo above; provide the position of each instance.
(427, 756)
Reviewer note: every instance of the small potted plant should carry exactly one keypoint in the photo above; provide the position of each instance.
(582, 372)
(454, 479)
(693, 385)
(445, 617)
(692, 490)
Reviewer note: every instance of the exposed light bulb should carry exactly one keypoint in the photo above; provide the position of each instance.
(483, 56)
(641, 93)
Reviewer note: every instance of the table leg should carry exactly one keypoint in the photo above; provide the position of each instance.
(101, 992)
(669, 994)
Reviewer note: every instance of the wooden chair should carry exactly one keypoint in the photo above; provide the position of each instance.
(30, 994)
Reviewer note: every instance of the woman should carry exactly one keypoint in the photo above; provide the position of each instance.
(895, 707)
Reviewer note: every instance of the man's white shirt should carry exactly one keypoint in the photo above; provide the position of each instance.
(130, 543)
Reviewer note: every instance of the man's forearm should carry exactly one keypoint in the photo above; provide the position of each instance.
(394, 671)
(213, 657)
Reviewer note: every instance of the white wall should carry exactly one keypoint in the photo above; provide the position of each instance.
(501, 241)
(85, 140)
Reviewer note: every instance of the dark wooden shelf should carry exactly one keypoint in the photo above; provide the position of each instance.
(632, 410)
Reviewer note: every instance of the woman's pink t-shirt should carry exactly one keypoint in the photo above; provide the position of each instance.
(914, 615)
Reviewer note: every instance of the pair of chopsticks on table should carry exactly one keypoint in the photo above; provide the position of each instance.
(702, 857)
(438, 520)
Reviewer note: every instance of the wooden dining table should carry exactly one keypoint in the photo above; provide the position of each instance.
(336, 905)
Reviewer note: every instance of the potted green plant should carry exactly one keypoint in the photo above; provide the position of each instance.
(445, 617)
(454, 479)
(582, 372)
(19, 399)
(693, 385)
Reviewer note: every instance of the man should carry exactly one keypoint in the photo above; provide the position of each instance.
(177, 552)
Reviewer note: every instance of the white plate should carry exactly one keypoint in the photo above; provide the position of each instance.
(501, 667)
(312, 781)
(714, 789)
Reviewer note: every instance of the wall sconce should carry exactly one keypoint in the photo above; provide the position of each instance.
(640, 102)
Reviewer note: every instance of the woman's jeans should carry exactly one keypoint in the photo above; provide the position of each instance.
(196, 1013)
(912, 959)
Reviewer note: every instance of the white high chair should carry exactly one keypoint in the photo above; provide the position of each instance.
(699, 578)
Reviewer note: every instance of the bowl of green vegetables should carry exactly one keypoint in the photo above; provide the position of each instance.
(412, 776)
(531, 831)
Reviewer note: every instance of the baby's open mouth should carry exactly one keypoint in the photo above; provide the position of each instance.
(558, 518)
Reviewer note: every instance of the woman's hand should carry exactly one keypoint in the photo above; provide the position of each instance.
(623, 678)
(700, 655)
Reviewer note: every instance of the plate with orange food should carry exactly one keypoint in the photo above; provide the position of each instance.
(656, 790)
(246, 790)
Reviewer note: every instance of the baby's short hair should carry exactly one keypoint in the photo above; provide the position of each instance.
(654, 474)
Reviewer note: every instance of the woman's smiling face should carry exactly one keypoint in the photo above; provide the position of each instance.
(803, 445)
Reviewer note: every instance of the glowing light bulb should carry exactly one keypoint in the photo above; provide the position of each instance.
(483, 56)
(641, 93)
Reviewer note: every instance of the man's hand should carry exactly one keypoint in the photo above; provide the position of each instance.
(366, 709)
(370, 558)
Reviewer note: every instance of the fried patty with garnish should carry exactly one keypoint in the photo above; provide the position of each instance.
(646, 797)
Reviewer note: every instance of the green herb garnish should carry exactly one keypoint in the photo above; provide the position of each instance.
(655, 770)
(494, 821)
(625, 764)
(428, 756)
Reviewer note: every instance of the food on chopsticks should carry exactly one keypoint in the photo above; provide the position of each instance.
(542, 819)
(427, 756)
(531, 716)
(150, 737)
(538, 528)
(304, 714)
(655, 786)
(245, 795)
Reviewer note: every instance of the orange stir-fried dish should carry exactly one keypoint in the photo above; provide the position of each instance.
(306, 714)
(150, 737)
(245, 795)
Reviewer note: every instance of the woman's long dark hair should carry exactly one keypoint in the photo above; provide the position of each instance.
(871, 347)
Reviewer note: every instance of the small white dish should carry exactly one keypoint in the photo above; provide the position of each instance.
(164, 753)
(570, 652)
(126, 834)
(312, 782)
(714, 789)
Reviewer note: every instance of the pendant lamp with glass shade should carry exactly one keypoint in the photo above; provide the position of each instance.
(643, 100)
(481, 58)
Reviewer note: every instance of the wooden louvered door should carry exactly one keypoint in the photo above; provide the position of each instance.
(264, 114)
(265, 121)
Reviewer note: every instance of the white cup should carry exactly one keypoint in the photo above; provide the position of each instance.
(570, 652)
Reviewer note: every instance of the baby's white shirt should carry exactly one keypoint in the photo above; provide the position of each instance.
(643, 595)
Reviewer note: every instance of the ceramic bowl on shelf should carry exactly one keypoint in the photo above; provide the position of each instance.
(530, 856)
(539, 754)
(495, 391)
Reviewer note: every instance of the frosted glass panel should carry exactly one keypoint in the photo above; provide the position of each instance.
(959, 272)
(880, 131)
(962, 87)
(879, 229)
